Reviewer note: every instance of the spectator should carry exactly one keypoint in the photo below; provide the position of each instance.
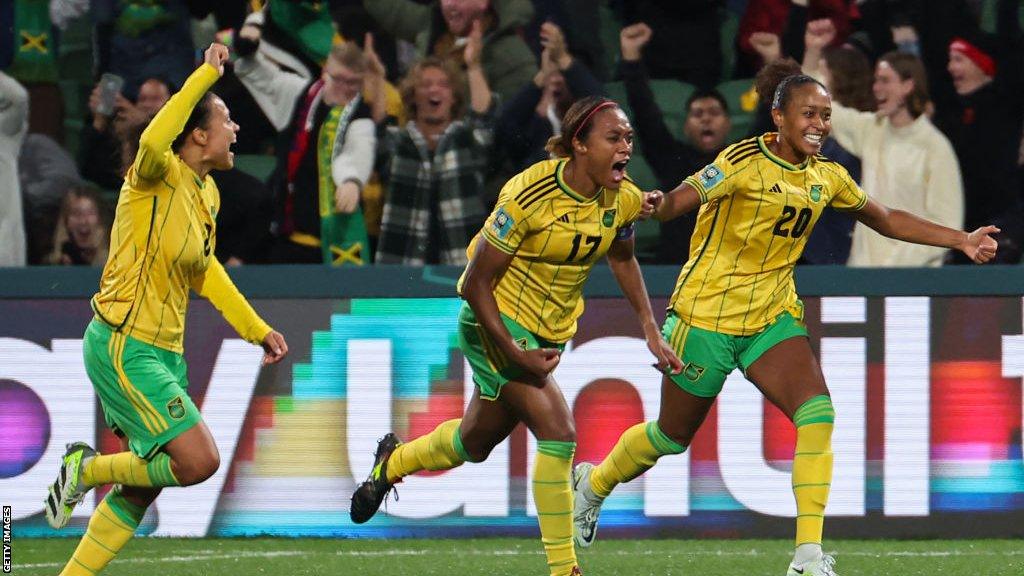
(140, 40)
(100, 149)
(508, 63)
(28, 35)
(535, 113)
(325, 157)
(434, 167)
(81, 237)
(907, 163)
(13, 125)
(686, 40)
(787, 20)
(244, 220)
(706, 127)
(983, 121)
(581, 24)
(46, 172)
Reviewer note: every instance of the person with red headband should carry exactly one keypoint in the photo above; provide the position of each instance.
(983, 122)
(523, 292)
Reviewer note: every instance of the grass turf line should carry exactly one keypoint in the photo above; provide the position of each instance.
(218, 557)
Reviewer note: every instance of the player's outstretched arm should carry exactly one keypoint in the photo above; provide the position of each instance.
(486, 266)
(625, 268)
(679, 201)
(978, 245)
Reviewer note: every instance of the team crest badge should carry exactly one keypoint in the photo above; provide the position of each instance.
(176, 408)
(608, 219)
(692, 371)
(815, 192)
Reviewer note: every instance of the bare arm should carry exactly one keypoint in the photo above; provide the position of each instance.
(682, 199)
(479, 90)
(626, 269)
(485, 268)
(902, 225)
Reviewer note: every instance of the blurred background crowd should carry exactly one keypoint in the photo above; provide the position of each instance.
(381, 131)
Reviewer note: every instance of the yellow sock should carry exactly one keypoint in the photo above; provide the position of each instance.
(552, 492)
(635, 453)
(128, 469)
(812, 467)
(440, 450)
(110, 528)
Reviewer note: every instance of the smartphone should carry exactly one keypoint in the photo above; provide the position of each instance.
(110, 87)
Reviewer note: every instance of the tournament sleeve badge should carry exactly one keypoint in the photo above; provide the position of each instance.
(502, 223)
(710, 176)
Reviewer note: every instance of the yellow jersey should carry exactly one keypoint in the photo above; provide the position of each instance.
(757, 211)
(163, 238)
(555, 237)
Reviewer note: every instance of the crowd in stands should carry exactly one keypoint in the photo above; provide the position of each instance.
(381, 131)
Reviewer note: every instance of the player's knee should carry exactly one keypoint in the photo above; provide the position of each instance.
(681, 435)
(562, 432)
(198, 468)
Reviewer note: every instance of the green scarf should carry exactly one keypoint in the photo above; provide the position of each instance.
(343, 238)
(35, 56)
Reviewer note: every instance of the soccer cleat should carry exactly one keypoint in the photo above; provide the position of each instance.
(371, 493)
(68, 490)
(586, 506)
(823, 566)
(576, 571)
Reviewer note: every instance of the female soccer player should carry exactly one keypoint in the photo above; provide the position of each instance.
(161, 245)
(735, 304)
(523, 292)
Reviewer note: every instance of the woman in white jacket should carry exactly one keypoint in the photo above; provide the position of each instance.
(906, 162)
(13, 125)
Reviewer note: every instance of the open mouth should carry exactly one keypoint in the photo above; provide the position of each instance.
(434, 101)
(619, 170)
(813, 138)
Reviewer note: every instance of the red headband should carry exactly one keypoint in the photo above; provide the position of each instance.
(974, 54)
(586, 119)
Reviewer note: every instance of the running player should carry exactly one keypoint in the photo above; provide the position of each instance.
(162, 244)
(523, 292)
(735, 304)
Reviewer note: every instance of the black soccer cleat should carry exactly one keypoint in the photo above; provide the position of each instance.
(371, 493)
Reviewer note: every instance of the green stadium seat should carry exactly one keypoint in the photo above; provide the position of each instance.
(740, 109)
(259, 166)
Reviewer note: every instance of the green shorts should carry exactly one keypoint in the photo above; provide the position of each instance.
(491, 370)
(141, 388)
(708, 357)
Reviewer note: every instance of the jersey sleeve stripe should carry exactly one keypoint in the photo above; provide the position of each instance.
(493, 240)
(742, 157)
(543, 195)
(521, 197)
(740, 149)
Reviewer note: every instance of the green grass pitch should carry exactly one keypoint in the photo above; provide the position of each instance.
(281, 557)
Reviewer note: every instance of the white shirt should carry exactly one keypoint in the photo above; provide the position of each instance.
(912, 168)
(13, 126)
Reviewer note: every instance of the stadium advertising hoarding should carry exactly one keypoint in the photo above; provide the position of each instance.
(927, 440)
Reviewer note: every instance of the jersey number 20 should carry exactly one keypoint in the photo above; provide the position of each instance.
(799, 227)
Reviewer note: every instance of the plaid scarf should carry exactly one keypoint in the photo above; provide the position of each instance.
(447, 185)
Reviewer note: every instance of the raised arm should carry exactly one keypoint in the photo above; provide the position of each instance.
(902, 225)
(479, 91)
(681, 200)
(625, 268)
(155, 144)
(13, 105)
(274, 89)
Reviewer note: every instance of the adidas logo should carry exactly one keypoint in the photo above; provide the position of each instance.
(776, 188)
(564, 218)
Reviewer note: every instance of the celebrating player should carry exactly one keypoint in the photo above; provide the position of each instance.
(523, 292)
(162, 245)
(735, 304)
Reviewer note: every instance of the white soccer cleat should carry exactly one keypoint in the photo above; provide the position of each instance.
(68, 490)
(823, 566)
(586, 506)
